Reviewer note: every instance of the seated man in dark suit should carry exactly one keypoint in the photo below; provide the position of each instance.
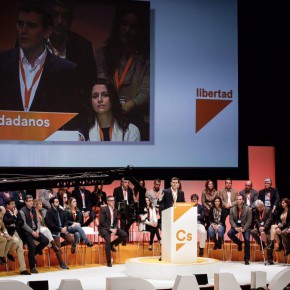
(123, 200)
(109, 225)
(241, 221)
(55, 220)
(31, 230)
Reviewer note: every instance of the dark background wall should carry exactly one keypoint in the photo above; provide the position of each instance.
(263, 33)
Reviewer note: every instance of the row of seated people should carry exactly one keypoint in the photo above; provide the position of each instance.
(125, 194)
(47, 227)
(257, 221)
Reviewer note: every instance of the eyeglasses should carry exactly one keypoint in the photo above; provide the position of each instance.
(100, 95)
(111, 200)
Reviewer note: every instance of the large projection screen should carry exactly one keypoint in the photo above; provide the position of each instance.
(193, 116)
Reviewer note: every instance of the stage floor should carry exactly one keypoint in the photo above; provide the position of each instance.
(94, 278)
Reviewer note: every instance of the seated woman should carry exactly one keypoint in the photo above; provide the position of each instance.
(40, 211)
(74, 220)
(106, 120)
(217, 225)
(149, 222)
(62, 197)
(282, 226)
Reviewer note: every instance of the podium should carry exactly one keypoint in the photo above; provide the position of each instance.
(179, 233)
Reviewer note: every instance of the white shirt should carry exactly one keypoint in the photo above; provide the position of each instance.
(131, 134)
(30, 73)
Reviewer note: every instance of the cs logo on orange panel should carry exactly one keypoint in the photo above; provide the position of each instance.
(183, 237)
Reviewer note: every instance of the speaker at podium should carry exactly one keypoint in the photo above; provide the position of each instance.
(179, 233)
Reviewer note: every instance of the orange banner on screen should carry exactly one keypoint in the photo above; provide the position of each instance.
(31, 126)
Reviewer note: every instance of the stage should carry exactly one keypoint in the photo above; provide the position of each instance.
(94, 277)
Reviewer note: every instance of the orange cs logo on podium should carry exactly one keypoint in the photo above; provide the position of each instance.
(181, 235)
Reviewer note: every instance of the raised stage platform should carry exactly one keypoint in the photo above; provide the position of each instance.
(152, 268)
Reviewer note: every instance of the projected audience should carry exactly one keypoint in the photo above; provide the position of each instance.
(241, 221)
(106, 121)
(149, 222)
(70, 45)
(217, 223)
(125, 59)
(207, 197)
(33, 79)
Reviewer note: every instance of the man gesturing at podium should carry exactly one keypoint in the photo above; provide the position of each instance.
(171, 195)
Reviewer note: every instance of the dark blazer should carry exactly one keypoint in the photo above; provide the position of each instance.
(167, 200)
(267, 219)
(200, 213)
(253, 196)
(224, 215)
(274, 196)
(76, 193)
(58, 89)
(96, 201)
(246, 217)
(13, 223)
(119, 196)
(70, 218)
(85, 61)
(3, 198)
(52, 222)
(105, 218)
(19, 202)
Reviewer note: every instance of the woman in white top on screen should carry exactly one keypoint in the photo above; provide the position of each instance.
(107, 121)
